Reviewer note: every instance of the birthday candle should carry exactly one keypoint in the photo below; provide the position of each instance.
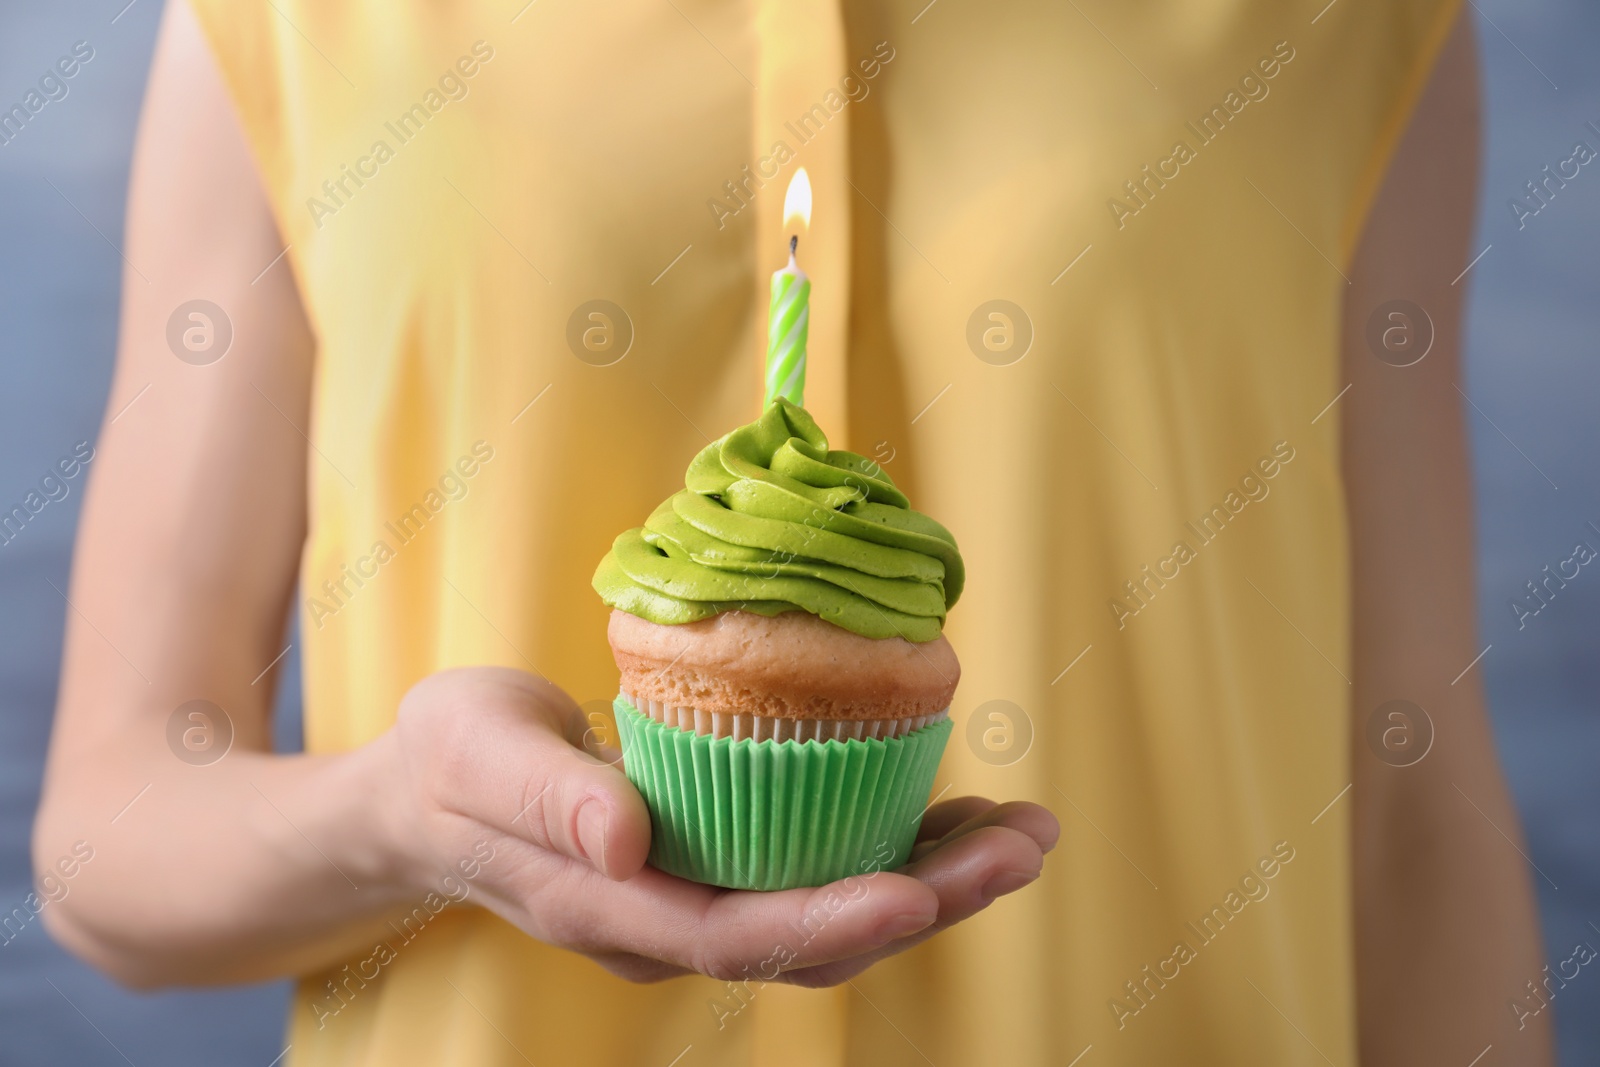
(790, 312)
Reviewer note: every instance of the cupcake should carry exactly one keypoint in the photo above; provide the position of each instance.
(786, 684)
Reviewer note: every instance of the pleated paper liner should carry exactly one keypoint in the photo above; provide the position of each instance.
(774, 728)
(768, 814)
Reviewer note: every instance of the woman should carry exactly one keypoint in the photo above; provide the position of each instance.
(1212, 530)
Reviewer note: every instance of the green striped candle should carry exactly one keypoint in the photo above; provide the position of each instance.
(787, 321)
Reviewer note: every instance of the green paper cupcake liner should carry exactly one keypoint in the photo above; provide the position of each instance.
(768, 814)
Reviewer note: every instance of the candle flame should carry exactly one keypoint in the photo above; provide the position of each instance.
(797, 201)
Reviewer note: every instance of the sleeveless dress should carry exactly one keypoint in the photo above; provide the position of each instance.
(1077, 277)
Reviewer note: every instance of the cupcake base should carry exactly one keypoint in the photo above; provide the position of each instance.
(777, 814)
(793, 665)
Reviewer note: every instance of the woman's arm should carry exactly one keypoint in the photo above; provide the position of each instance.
(1446, 930)
(182, 580)
(260, 865)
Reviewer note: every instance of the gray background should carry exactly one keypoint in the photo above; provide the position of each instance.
(1531, 369)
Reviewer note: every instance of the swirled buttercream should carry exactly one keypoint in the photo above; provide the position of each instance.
(772, 520)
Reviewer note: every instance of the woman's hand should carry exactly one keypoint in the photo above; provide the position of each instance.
(497, 756)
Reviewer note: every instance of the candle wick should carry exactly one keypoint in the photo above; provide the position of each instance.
(794, 242)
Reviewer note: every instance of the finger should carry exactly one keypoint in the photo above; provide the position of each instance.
(506, 756)
(631, 967)
(734, 935)
(942, 818)
(967, 874)
(1035, 821)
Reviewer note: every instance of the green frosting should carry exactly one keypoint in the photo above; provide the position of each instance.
(772, 520)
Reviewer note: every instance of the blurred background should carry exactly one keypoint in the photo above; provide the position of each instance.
(1531, 371)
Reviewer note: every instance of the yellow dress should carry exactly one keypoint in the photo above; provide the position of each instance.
(1132, 450)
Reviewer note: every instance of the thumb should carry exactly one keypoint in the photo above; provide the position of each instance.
(572, 802)
(513, 761)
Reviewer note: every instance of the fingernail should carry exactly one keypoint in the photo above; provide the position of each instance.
(903, 925)
(592, 822)
(1005, 882)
